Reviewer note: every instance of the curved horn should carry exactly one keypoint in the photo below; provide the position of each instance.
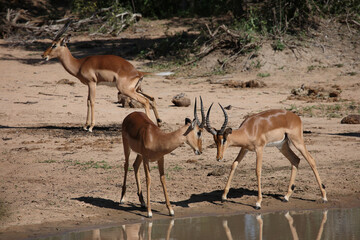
(202, 114)
(208, 126)
(195, 113)
(225, 121)
(63, 30)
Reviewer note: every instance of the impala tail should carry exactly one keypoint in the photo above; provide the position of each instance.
(164, 73)
(158, 74)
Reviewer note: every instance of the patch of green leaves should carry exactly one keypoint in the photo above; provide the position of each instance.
(263, 75)
(278, 45)
(92, 164)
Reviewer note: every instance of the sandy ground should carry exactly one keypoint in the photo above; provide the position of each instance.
(55, 177)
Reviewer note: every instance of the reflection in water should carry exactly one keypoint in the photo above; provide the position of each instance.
(140, 231)
(332, 224)
(291, 224)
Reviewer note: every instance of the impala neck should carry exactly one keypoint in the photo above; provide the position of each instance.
(70, 63)
(238, 138)
(170, 141)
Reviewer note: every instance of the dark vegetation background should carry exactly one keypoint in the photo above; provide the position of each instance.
(236, 27)
(270, 13)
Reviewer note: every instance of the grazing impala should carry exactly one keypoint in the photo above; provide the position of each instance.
(269, 128)
(142, 136)
(105, 69)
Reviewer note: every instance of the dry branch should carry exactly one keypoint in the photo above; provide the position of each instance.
(224, 38)
(18, 22)
(223, 27)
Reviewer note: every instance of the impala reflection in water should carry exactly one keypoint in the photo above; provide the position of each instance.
(319, 224)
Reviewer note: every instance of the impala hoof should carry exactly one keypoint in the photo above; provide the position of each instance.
(171, 212)
(257, 206)
(149, 215)
(285, 199)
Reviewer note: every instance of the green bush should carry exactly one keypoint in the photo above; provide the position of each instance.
(267, 16)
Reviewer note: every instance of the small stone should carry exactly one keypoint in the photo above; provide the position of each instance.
(351, 119)
(181, 101)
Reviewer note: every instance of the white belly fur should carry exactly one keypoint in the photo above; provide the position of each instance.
(277, 144)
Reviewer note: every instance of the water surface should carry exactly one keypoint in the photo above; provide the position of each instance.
(334, 224)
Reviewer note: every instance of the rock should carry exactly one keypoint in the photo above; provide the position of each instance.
(307, 93)
(128, 102)
(66, 82)
(351, 119)
(241, 84)
(255, 84)
(219, 171)
(334, 94)
(235, 84)
(181, 101)
(299, 91)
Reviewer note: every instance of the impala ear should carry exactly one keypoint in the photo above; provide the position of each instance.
(193, 123)
(65, 40)
(227, 131)
(190, 128)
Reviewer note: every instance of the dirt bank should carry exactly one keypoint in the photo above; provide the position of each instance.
(54, 176)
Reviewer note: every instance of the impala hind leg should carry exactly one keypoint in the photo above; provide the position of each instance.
(126, 168)
(299, 144)
(294, 160)
(238, 159)
(145, 102)
(162, 179)
(153, 105)
(148, 182)
(136, 166)
(259, 156)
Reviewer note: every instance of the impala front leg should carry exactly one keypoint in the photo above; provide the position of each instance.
(162, 179)
(238, 159)
(259, 155)
(126, 169)
(88, 115)
(92, 89)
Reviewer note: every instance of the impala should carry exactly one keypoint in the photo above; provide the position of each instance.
(274, 127)
(142, 136)
(101, 69)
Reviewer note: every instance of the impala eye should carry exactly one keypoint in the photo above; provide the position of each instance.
(199, 134)
(53, 46)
